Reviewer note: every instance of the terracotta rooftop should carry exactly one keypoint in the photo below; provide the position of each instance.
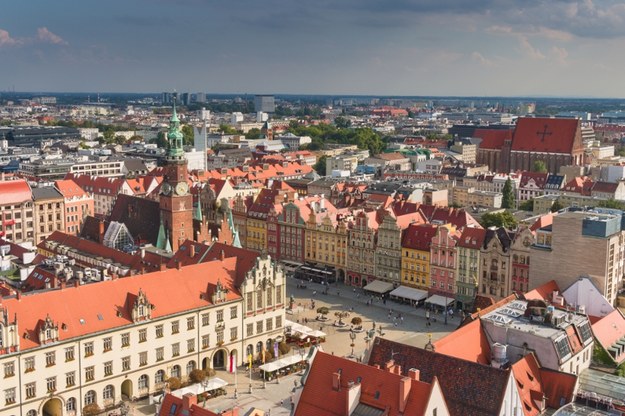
(418, 236)
(14, 192)
(549, 135)
(609, 330)
(468, 342)
(171, 291)
(492, 138)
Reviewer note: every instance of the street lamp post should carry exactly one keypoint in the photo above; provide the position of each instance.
(352, 336)
(445, 308)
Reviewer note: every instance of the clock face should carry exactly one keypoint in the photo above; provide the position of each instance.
(527, 241)
(182, 188)
(166, 189)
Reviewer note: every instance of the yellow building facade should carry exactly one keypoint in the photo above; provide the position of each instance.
(415, 259)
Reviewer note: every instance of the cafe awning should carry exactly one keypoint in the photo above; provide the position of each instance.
(304, 330)
(282, 363)
(379, 286)
(213, 383)
(409, 293)
(439, 300)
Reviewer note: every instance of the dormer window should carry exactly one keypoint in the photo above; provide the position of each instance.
(142, 308)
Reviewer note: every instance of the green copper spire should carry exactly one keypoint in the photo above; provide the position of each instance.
(236, 241)
(168, 246)
(197, 213)
(160, 240)
(174, 136)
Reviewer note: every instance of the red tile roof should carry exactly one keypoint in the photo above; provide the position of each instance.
(69, 189)
(175, 406)
(543, 292)
(418, 236)
(540, 179)
(605, 187)
(472, 237)
(610, 329)
(171, 291)
(379, 388)
(470, 389)
(468, 343)
(558, 133)
(543, 221)
(14, 192)
(491, 138)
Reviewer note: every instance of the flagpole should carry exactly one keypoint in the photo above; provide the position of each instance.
(250, 367)
(234, 362)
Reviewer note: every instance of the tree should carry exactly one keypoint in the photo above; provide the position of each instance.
(161, 140)
(284, 348)
(187, 135)
(498, 219)
(109, 135)
(253, 134)
(197, 375)
(174, 383)
(226, 129)
(508, 195)
(612, 203)
(527, 205)
(341, 315)
(539, 166)
(323, 311)
(320, 166)
(356, 321)
(342, 122)
(91, 410)
(557, 206)
(119, 139)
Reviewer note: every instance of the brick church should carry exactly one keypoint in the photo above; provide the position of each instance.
(555, 141)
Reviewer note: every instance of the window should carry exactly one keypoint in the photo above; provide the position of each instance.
(90, 373)
(143, 335)
(31, 390)
(88, 349)
(220, 337)
(29, 364)
(250, 302)
(125, 363)
(175, 327)
(205, 319)
(259, 327)
(126, 339)
(175, 371)
(50, 358)
(175, 349)
(143, 358)
(143, 381)
(190, 323)
(70, 379)
(9, 369)
(70, 405)
(159, 331)
(269, 324)
(191, 345)
(279, 294)
(51, 384)
(259, 299)
(205, 341)
(160, 353)
(108, 344)
(190, 367)
(249, 330)
(233, 312)
(278, 322)
(108, 368)
(269, 297)
(90, 397)
(220, 315)
(108, 392)
(9, 396)
(233, 333)
(159, 376)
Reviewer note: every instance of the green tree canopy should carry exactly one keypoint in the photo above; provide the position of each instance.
(612, 203)
(342, 122)
(557, 206)
(498, 219)
(527, 205)
(253, 134)
(320, 166)
(508, 195)
(187, 135)
(539, 166)
(226, 129)
(161, 140)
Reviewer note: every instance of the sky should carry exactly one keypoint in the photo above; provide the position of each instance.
(567, 48)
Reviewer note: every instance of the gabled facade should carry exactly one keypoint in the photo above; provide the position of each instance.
(520, 256)
(468, 246)
(326, 242)
(444, 262)
(415, 260)
(388, 249)
(361, 250)
(495, 263)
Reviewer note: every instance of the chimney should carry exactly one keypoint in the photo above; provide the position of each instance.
(101, 231)
(62, 284)
(188, 400)
(389, 365)
(114, 276)
(192, 250)
(404, 390)
(414, 374)
(162, 266)
(222, 255)
(18, 294)
(76, 282)
(397, 370)
(178, 266)
(377, 366)
(336, 381)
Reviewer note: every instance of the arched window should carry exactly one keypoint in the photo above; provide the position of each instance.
(159, 376)
(259, 347)
(108, 392)
(90, 397)
(31, 413)
(269, 344)
(250, 349)
(70, 405)
(190, 367)
(175, 371)
(144, 381)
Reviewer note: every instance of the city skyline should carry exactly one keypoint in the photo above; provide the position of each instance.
(406, 48)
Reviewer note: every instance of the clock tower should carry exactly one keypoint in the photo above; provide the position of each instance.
(175, 200)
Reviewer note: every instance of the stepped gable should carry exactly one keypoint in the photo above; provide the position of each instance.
(545, 135)
(470, 389)
(141, 216)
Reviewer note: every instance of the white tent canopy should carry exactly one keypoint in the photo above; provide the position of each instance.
(282, 362)
(198, 388)
(439, 300)
(304, 330)
(409, 293)
(378, 286)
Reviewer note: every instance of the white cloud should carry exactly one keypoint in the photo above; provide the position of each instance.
(7, 40)
(45, 36)
(560, 54)
(529, 50)
(478, 57)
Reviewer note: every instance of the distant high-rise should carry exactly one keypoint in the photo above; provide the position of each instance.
(200, 97)
(265, 103)
(185, 97)
(166, 98)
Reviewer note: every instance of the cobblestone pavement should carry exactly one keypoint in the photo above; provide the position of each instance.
(398, 322)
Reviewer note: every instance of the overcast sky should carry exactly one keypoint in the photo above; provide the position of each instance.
(382, 47)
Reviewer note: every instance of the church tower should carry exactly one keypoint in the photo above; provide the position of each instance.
(176, 202)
